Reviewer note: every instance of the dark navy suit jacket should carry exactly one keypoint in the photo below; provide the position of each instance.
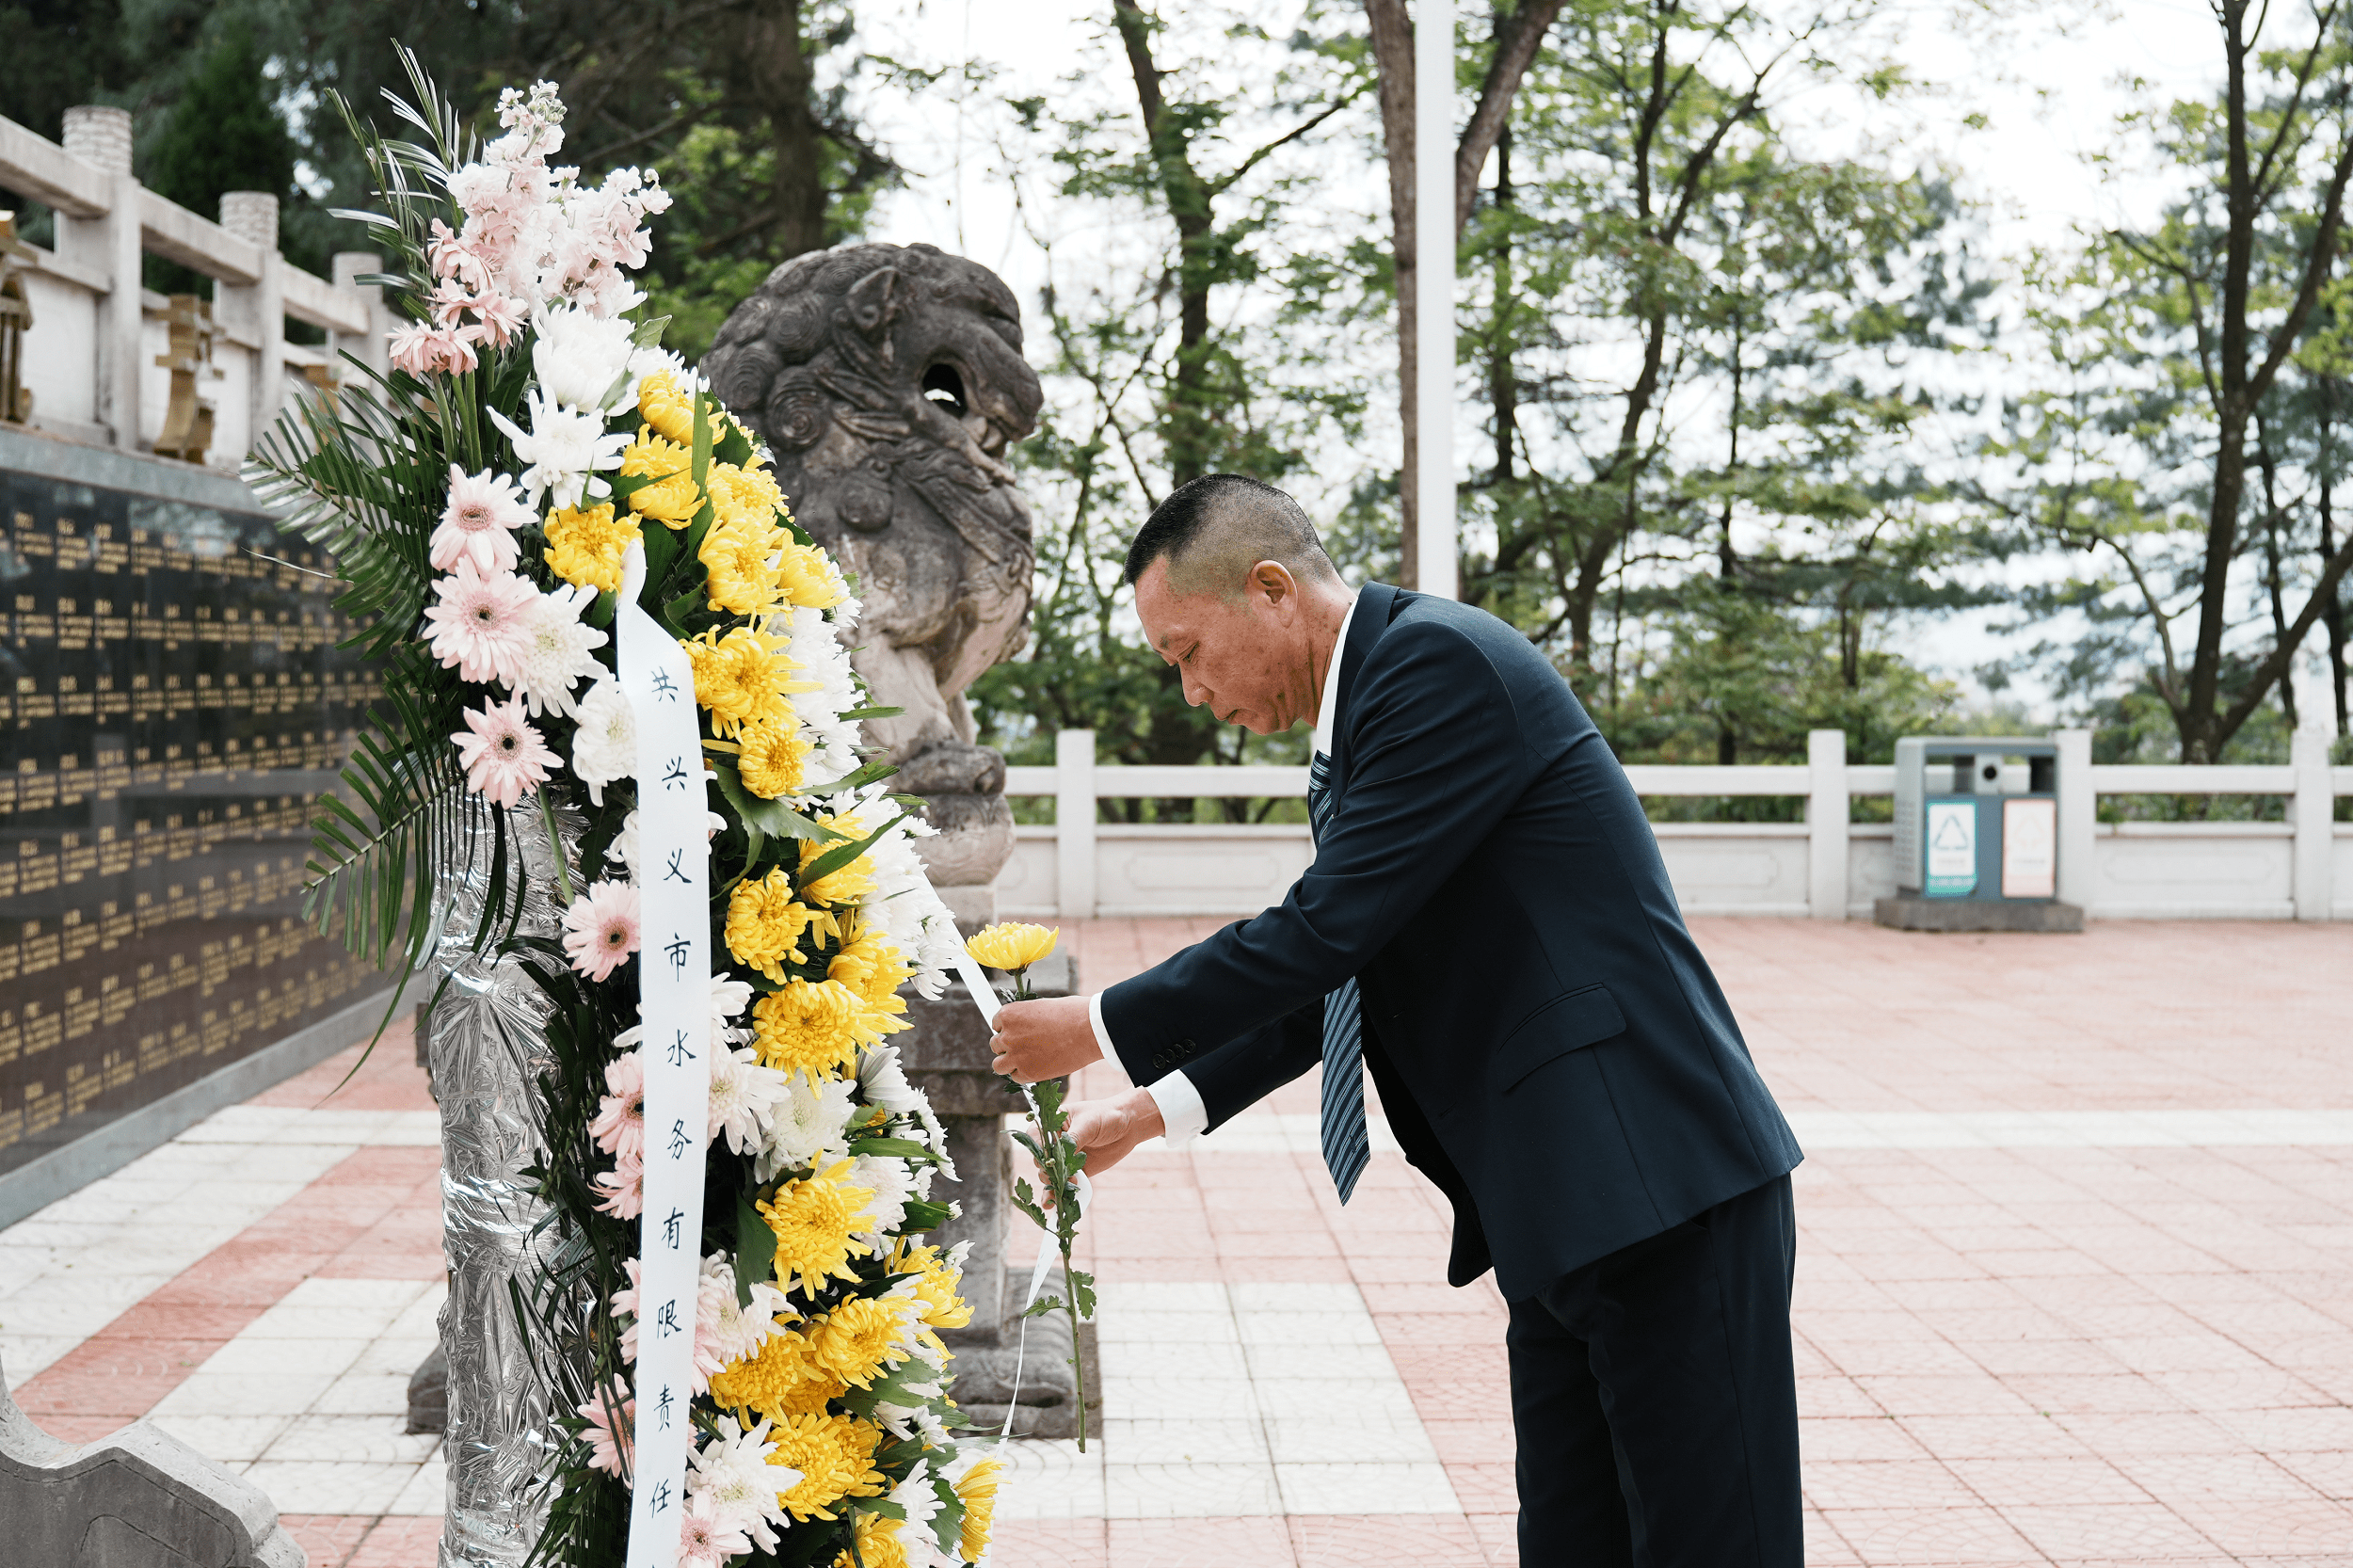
(1550, 1046)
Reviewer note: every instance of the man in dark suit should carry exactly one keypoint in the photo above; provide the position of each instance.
(1489, 931)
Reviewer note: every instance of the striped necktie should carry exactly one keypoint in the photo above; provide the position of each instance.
(1347, 1142)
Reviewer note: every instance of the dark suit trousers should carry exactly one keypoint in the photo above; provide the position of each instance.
(1656, 1402)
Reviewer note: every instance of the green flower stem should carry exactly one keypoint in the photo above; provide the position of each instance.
(556, 842)
(1061, 1168)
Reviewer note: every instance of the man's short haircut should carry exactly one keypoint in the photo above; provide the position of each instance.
(1216, 528)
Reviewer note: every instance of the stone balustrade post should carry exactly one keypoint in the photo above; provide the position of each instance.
(259, 308)
(100, 135)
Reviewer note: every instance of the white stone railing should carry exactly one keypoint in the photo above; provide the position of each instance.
(91, 356)
(1827, 866)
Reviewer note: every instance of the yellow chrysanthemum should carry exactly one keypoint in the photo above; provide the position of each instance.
(871, 966)
(835, 1455)
(745, 494)
(672, 498)
(1011, 946)
(773, 759)
(665, 408)
(937, 1281)
(586, 546)
(766, 924)
(805, 577)
(815, 1220)
(777, 1381)
(739, 557)
(878, 1543)
(858, 1340)
(806, 1028)
(743, 680)
(845, 883)
(977, 1491)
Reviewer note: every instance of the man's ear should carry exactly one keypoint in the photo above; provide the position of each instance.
(1272, 580)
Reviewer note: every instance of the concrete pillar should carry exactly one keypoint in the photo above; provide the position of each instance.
(1826, 813)
(2313, 806)
(260, 309)
(1074, 824)
(372, 347)
(2078, 814)
(1435, 560)
(100, 135)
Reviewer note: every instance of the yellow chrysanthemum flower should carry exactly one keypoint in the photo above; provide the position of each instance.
(977, 1491)
(739, 556)
(672, 498)
(835, 1455)
(745, 494)
(586, 546)
(857, 1341)
(805, 577)
(815, 1220)
(777, 1381)
(806, 1028)
(878, 1543)
(937, 1281)
(869, 966)
(665, 408)
(773, 759)
(845, 883)
(766, 923)
(743, 680)
(1011, 946)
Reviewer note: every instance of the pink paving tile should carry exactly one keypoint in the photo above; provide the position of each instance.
(1883, 1483)
(1327, 1540)
(1888, 1537)
(2329, 1474)
(390, 1080)
(2277, 1528)
(2132, 1532)
(1199, 1543)
(399, 1540)
(1049, 1543)
(1992, 1438)
(328, 1540)
(2015, 1482)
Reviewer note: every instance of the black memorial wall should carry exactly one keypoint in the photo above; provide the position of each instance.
(172, 704)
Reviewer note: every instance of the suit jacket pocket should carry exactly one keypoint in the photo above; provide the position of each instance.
(1568, 1022)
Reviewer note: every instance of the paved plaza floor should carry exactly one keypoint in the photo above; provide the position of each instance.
(2075, 1283)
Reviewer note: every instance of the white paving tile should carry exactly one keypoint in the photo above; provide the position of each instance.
(1050, 1481)
(369, 1439)
(1180, 1397)
(428, 1491)
(366, 1394)
(210, 1393)
(1332, 1397)
(1366, 1488)
(1173, 1361)
(232, 1440)
(1204, 1440)
(1290, 1332)
(326, 1486)
(1366, 1437)
(1368, 1363)
(1194, 1491)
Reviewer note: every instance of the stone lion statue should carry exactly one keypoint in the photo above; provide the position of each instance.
(887, 382)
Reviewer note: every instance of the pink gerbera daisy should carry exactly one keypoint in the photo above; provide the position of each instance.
(621, 1124)
(479, 523)
(707, 1537)
(505, 757)
(482, 622)
(610, 1438)
(624, 1188)
(601, 928)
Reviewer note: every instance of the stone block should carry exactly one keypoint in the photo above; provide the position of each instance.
(1907, 913)
(138, 1499)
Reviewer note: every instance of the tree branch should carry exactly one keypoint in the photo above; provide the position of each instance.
(1519, 38)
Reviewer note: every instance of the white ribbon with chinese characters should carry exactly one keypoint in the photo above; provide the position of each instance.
(674, 974)
(1048, 1245)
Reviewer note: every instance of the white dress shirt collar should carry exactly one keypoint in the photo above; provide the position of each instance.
(1329, 710)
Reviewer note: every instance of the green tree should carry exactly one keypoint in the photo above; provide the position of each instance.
(223, 134)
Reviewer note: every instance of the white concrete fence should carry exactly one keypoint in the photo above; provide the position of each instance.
(1828, 867)
(91, 356)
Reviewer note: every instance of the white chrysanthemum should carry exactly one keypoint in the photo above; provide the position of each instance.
(818, 650)
(731, 1476)
(744, 1096)
(882, 1081)
(920, 1501)
(558, 651)
(605, 747)
(741, 1330)
(624, 847)
(563, 451)
(893, 1184)
(809, 1122)
(583, 360)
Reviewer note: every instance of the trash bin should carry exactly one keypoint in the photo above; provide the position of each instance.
(1976, 836)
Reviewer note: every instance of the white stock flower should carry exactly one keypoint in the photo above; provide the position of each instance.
(605, 747)
(558, 651)
(562, 451)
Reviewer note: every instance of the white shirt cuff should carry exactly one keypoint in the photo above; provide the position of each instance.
(1183, 1117)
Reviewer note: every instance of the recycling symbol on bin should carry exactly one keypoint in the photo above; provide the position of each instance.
(1951, 832)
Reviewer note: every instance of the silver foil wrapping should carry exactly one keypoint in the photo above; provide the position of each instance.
(487, 1037)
